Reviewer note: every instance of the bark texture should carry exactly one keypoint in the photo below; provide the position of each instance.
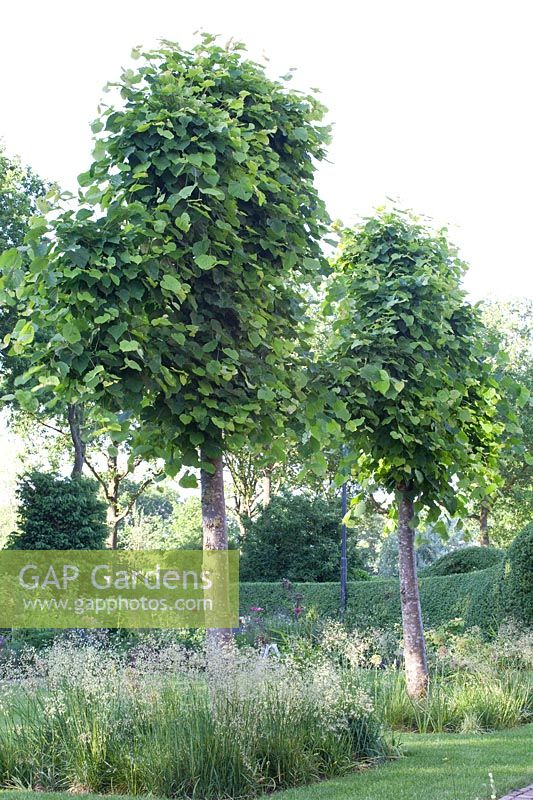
(112, 496)
(215, 536)
(416, 668)
(214, 508)
(74, 414)
(484, 538)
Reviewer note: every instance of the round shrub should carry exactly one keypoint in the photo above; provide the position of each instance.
(517, 583)
(296, 537)
(467, 559)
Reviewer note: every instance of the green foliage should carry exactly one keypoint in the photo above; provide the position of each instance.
(512, 507)
(466, 559)
(181, 530)
(175, 290)
(420, 401)
(186, 524)
(429, 546)
(517, 583)
(20, 191)
(376, 604)
(158, 501)
(296, 537)
(58, 514)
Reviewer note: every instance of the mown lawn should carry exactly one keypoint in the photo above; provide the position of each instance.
(435, 767)
(438, 767)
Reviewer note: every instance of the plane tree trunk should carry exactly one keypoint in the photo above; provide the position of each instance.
(416, 668)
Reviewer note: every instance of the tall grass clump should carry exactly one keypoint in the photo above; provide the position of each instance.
(172, 723)
(459, 704)
(476, 684)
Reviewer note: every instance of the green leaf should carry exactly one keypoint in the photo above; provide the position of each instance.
(239, 190)
(205, 262)
(196, 159)
(92, 375)
(188, 481)
(183, 222)
(383, 383)
(213, 192)
(186, 192)
(23, 337)
(118, 329)
(10, 259)
(171, 284)
(265, 393)
(354, 424)
(70, 332)
(129, 346)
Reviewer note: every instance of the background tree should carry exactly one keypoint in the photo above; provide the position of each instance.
(54, 431)
(180, 299)
(418, 396)
(22, 196)
(259, 472)
(20, 190)
(510, 508)
(113, 462)
(296, 537)
(429, 548)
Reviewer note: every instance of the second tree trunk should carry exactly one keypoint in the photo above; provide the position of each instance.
(416, 668)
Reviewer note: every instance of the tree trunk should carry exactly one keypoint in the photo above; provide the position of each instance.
(112, 495)
(215, 534)
(267, 489)
(484, 526)
(112, 524)
(74, 423)
(413, 630)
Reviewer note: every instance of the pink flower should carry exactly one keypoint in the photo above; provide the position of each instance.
(256, 608)
(297, 611)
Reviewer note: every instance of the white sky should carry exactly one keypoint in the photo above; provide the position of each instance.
(431, 100)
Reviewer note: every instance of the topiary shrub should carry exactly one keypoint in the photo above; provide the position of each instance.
(466, 559)
(58, 514)
(517, 579)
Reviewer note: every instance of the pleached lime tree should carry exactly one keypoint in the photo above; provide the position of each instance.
(176, 289)
(419, 402)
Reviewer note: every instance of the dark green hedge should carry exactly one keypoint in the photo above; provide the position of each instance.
(376, 603)
(517, 578)
(467, 559)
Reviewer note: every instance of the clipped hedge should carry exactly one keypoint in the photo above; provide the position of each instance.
(466, 559)
(472, 596)
(517, 578)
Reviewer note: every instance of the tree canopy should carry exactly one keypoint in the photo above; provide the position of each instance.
(176, 288)
(424, 401)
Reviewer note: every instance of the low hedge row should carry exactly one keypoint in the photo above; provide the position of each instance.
(472, 596)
